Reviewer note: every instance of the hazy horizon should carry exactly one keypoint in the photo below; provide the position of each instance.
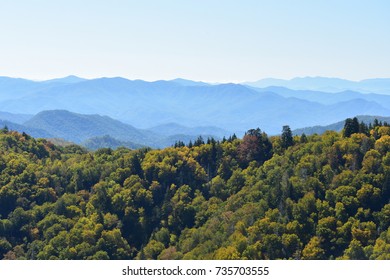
(180, 77)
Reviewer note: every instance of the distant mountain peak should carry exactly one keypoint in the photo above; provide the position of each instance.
(71, 79)
(185, 82)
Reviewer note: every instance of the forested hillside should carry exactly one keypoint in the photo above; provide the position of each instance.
(260, 197)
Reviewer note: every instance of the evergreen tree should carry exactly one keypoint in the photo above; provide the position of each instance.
(363, 128)
(5, 129)
(136, 166)
(351, 126)
(286, 137)
(179, 144)
(199, 141)
(303, 138)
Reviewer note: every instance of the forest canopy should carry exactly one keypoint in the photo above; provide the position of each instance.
(282, 197)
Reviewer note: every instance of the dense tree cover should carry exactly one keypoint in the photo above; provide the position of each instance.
(260, 197)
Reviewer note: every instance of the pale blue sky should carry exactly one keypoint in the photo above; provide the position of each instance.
(207, 40)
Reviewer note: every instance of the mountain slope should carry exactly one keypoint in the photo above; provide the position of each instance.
(323, 198)
(78, 128)
(95, 131)
(35, 132)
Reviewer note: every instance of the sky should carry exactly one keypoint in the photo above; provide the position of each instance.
(207, 40)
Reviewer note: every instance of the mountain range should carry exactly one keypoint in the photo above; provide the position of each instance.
(159, 113)
(378, 85)
(95, 131)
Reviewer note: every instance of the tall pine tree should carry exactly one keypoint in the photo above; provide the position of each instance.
(351, 126)
(286, 137)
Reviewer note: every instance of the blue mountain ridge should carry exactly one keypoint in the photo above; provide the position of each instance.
(231, 107)
(376, 85)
